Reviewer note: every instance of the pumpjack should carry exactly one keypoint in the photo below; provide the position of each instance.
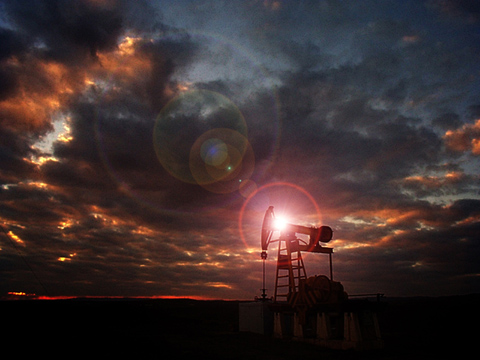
(291, 281)
(316, 308)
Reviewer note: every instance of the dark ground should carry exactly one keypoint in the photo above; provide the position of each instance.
(413, 328)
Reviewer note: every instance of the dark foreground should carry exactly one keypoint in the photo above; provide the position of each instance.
(413, 328)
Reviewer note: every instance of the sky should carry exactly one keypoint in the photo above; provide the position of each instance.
(143, 141)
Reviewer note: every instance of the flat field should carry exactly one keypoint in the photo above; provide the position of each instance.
(413, 328)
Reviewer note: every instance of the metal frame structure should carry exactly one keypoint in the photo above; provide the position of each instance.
(316, 308)
(290, 266)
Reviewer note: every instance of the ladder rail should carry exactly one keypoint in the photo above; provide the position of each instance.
(289, 258)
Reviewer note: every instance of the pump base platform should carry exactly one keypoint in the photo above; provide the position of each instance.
(352, 324)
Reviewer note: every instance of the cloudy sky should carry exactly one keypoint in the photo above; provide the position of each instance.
(143, 141)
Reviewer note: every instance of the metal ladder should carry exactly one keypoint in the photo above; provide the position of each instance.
(290, 269)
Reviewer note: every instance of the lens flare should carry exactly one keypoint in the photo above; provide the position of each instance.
(180, 130)
(214, 152)
(220, 160)
(188, 115)
(200, 137)
(290, 198)
(247, 187)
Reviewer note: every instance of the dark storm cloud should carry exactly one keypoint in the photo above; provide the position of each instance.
(46, 46)
(105, 152)
(347, 135)
(434, 242)
(13, 149)
(112, 145)
(465, 9)
(12, 43)
(350, 128)
(72, 31)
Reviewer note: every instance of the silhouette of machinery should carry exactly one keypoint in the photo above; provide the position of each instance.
(291, 282)
(314, 308)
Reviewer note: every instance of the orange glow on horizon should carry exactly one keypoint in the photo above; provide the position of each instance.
(153, 297)
(20, 295)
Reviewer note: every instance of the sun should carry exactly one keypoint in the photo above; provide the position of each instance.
(279, 223)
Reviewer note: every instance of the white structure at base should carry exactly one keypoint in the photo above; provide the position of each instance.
(255, 317)
(349, 330)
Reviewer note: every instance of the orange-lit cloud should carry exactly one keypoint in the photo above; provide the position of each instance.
(67, 258)
(467, 138)
(219, 285)
(43, 88)
(16, 238)
(122, 67)
(272, 5)
(430, 181)
(411, 39)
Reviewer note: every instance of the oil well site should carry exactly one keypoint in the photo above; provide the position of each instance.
(307, 317)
